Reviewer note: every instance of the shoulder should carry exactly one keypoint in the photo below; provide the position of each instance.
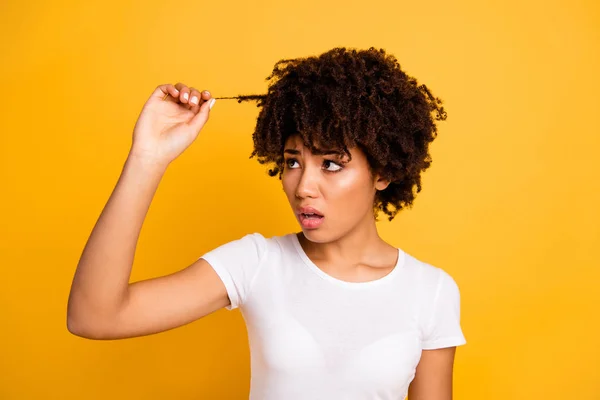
(262, 244)
(429, 278)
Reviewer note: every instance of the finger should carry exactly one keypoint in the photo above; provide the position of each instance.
(194, 99)
(166, 90)
(205, 96)
(198, 121)
(179, 86)
(184, 92)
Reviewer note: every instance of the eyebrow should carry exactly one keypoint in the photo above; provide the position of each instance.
(317, 152)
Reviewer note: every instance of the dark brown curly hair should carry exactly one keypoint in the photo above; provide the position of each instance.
(345, 98)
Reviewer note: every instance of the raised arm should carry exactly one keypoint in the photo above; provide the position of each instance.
(102, 303)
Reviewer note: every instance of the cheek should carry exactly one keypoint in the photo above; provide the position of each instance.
(288, 185)
(349, 185)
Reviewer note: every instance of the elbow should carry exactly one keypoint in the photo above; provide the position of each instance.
(97, 321)
(76, 328)
(87, 327)
(82, 329)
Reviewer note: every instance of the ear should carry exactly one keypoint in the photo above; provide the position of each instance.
(381, 183)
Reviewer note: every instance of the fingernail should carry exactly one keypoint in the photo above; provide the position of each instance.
(207, 92)
(194, 100)
(185, 96)
(212, 103)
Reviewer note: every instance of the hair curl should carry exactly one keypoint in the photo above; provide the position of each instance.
(345, 98)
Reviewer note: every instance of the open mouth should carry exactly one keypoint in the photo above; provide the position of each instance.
(311, 216)
(310, 220)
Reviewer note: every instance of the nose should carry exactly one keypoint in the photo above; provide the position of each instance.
(308, 184)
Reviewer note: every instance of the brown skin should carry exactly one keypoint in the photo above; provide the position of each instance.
(433, 378)
(346, 98)
(346, 245)
(104, 305)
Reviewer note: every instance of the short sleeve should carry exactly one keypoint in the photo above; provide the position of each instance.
(237, 263)
(442, 318)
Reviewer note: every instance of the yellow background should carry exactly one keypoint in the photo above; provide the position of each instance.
(509, 207)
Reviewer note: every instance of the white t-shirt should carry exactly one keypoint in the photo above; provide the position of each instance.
(313, 336)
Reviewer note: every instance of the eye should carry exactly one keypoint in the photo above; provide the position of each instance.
(336, 166)
(290, 161)
(330, 165)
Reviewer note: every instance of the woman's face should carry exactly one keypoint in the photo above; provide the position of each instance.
(340, 191)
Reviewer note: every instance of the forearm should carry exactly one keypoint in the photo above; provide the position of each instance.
(102, 276)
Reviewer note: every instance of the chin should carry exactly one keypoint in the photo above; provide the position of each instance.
(318, 235)
(312, 234)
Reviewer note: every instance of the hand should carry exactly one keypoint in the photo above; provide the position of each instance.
(165, 128)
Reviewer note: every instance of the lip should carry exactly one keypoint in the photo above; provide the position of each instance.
(310, 223)
(308, 210)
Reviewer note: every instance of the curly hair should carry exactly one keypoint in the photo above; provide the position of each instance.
(345, 98)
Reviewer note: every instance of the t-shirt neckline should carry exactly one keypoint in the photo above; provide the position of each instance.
(356, 285)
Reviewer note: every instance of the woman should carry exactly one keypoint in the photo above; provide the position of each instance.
(333, 311)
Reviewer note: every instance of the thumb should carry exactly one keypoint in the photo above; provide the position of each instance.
(198, 121)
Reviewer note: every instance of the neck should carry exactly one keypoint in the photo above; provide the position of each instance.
(361, 245)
